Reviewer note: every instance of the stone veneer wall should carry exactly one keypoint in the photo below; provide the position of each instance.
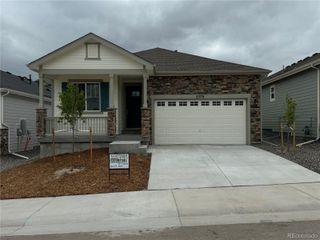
(41, 115)
(4, 141)
(146, 124)
(112, 122)
(218, 84)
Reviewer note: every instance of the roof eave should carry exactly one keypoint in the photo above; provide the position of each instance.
(34, 65)
(24, 94)
(193, 73)
(291, 72)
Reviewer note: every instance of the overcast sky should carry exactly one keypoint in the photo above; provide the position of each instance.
(266, 34)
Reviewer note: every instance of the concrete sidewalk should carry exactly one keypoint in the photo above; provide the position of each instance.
(132, 211)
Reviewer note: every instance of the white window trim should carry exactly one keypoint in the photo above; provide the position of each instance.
(87, 52)
(274, 93)
(85, 95)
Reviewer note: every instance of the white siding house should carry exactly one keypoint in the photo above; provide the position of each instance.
(15, 108)
(19, 100)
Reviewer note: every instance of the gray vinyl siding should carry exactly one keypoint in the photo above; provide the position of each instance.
(16, 108)
(302, 87)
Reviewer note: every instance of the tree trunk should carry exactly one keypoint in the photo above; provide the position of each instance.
(288, 140)
(72, 157)
(72, 139)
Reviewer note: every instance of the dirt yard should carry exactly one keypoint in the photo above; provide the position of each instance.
(71, 175)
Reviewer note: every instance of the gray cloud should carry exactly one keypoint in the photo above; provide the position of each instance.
(267, 34)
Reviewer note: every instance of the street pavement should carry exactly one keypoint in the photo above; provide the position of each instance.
(156, 210)
(261, 231)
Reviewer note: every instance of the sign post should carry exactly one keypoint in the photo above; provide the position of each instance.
(119, 161)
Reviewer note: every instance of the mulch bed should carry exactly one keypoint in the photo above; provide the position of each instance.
(71, 175)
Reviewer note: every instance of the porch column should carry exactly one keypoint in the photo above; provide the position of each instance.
(4, 134)
(41, 105)
(146, 125)
(111, 90)
(112, 111)
(112, 122)
(41, 112)
(145, 90)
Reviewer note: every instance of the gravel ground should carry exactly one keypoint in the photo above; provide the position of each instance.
(307, 156)
(11, 161)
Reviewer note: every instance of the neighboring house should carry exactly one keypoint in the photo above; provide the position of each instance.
(18, 100)
(301, 82)
(166, 97)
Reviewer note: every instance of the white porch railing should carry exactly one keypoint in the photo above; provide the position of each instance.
(99, 126)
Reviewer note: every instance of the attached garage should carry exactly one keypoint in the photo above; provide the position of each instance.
(209, 121)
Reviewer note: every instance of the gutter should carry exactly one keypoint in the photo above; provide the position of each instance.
(291, 72)
(205, 73)
(24, 94)
(2, 123)
(318, 109)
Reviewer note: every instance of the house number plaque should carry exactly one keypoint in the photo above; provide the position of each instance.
(200, 96)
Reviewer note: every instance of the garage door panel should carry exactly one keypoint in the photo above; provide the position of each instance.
(200, 124)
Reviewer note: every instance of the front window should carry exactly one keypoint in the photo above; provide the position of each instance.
(272, 93)
(92, 95)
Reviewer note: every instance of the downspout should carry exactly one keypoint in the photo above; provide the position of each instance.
(318, 109)
(9, 150)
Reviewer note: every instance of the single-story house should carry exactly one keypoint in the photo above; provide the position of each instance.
(301, 82)
(19, 98)
(162, 96)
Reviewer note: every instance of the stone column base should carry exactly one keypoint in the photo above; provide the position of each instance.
(4, 141)
(41, 121)
(112, 122)
(146, 125)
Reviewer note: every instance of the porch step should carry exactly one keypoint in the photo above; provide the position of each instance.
(127, 147)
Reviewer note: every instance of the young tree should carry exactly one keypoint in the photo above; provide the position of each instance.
(290, 116)
(72, 104)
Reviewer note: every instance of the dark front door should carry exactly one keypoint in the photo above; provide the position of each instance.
(133, 104)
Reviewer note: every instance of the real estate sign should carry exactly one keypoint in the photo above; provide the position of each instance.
(119, 161)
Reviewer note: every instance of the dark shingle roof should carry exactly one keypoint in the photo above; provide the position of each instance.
(293, 66)
(22, 84)
(173, 61)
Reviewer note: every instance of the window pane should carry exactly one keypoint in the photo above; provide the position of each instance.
(161, 104)
(93, 99)
(171, 104)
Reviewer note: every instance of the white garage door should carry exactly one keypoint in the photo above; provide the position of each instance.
(200, 121)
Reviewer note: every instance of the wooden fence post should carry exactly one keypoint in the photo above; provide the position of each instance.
(281, 132)
(294, 136)
(53, 145)
(91, 145)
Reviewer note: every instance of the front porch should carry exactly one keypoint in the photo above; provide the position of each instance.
(116, 111)
(114, 82)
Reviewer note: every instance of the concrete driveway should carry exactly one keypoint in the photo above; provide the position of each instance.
(198, 166)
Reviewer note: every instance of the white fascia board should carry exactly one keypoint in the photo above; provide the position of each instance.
(23, 94)
(292, 72)
(35, 64)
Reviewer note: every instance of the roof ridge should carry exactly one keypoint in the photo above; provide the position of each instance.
(193, 55)
(294, 64)
(102, 39)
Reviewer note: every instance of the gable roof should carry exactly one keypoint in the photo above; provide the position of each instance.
(21, 84)
(294, 68)
(34, 65)
(171, 62)
(163, 61)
